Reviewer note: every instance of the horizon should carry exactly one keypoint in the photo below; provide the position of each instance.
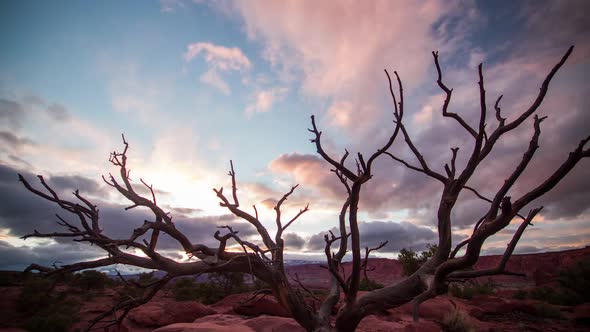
(195, 84)
(291, 262)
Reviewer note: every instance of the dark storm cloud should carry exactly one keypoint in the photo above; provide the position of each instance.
(517, 74)
(17, 258)
(11, 112)
(14, 142)
(400, 235)
(394, 187)
(20, 209)
(525, 249)
(566, 105)
(183, 211)
(75, 182)
(18, 160)
(293, 241)
(569, 16)
(15, 111)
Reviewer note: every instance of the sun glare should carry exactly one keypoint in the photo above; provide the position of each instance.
(185, 191)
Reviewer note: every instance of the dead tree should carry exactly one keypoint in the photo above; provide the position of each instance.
(266, 261)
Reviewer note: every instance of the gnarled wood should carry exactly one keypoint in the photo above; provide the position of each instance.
(266, 261)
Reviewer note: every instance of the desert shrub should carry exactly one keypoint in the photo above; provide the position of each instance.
(218, 287)
(520, 295)
(35, 294)
(411, 261)
(548, 311)
(576, 279)
(186, 289)
(541, 294)
(209, 293)
(48, 310)
(129, 291)
(259, 284)
(575, 286)
(146, 278)
(369, 285)
(455, 290)
(560, 296)
(10, 278)
(91, 280)
(58, 316)
(469, 291)
(457, 321)
(228, 282)
(135, 288)
(54, 322)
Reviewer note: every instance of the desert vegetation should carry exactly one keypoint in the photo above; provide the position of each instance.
(218, 287)
(572, 288)
(412, 261)
(53, 303)
(428, 275)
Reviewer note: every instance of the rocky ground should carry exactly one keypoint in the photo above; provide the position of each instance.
(239, 312)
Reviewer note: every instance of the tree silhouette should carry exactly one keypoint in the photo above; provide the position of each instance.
(266, 261)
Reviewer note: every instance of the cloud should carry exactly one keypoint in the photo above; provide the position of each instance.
(37, 134)
(316, 242)
(337, 49)
(399, 234)
(212, 78)
(265, 99)
(22, 212)
(568, 15)
(10, 141)
(58, 112)
(71, 183)
(390, 189)
(308, 170)
(18, 257)
(169, 6)
(337, 58)
(11, 112)
(353, 116)
(219, 59)
(293, 241)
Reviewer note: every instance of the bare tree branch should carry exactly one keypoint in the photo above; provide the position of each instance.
(266, 261)
(447, 100)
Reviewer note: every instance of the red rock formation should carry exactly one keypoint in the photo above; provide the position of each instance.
(231, 323)
(540, 269)
(245, 304)
(163, 313)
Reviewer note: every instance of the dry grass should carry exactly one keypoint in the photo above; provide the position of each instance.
(457, 321)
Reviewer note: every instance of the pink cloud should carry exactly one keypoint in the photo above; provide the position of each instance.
(220, 59)
(309, 171)
(212, 78)
(338, 52)
(223, 58)
(341, 48)
(265, 99)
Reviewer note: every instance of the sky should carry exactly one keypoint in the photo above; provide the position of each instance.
(195, 84)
